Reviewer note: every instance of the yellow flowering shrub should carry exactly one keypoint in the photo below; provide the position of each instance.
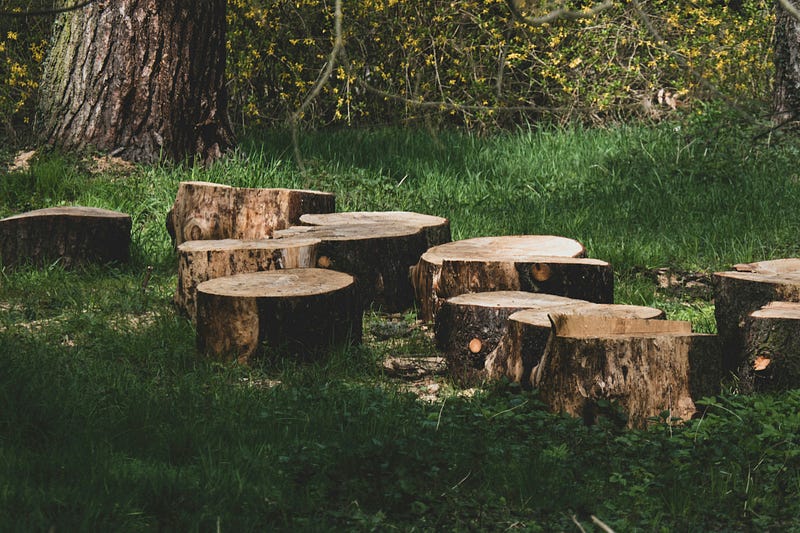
(475, 65)
(464, 62)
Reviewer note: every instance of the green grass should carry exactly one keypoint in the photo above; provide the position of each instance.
(109, 421)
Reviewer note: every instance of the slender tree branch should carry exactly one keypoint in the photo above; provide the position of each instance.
(43, 12)
(561, 13)
(789, 7)
(338, 46)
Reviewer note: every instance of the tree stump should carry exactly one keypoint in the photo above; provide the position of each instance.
(302, 312)
(534, 263)
(524, 340)
(378, 255)
(200, 261)
(468, 327)
(70, 235)
(593, 365)
(210, 211)
(436, 229)
(746, 289)
(772, 349)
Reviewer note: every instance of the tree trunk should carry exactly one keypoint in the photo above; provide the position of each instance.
(436, 229)
(786, 98)
(772, 349)
(142, 79)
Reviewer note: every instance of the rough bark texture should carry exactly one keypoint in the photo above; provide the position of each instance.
(210, 211)
(772, 349)
(468, 327)
(786, 98)
(523, 343)
(70, 235)
(436, 229)
(431, 287)
(200, 261)
(745, 289)
(378, 255)
(142, 79)
(302, 313)
(594, 366)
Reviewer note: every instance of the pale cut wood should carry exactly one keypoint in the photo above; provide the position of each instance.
(70, 235)
(468, 327)
(436, 229)
(431, 287)
(645, 368)
(746, 289)
(200, 261)
(212, 211)
(378, 255)
(772, 349)
(525, 337)
(303, 313)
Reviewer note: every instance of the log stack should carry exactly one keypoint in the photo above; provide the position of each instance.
(745, 289)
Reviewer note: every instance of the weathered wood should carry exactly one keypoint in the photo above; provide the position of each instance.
(746, 289)
(70, 235)
(211, 211)
(525, 337)
(302, 312)
(644, 367)
(200, 261)
(378, 255)
(500, 254)
(436, 229)
(772, 349)
(468, 327)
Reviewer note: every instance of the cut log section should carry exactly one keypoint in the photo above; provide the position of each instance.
(303, 312)
(644, 367)
(70, 235)
(525, 337)
(746, 289)
(200, 261)
(431, 289)
(772, 349)
(468, 327)
(436, 229)
(210, 211)
(378, 255)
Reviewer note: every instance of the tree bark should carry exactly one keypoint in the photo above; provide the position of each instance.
(200, 261)
(523, 343)
(302, 312)
(139, 78)
(786, 97)
(772, 349)
(592, 365)
(500, 254)
(70, 235)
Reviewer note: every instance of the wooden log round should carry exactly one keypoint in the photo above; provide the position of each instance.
(70, 235)
(772, 349)
(436, 229)
(746, 289)
(378, 255)
(594, 365)
(490, 264)
(525, 337)
(200, 261)
(468, 327)
(302, 312)
(212, 211)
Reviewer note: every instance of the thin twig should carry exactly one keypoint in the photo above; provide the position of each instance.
(789, 7)
(43, 12)
(561, 13)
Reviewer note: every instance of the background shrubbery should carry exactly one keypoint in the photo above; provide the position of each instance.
(484, 68)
